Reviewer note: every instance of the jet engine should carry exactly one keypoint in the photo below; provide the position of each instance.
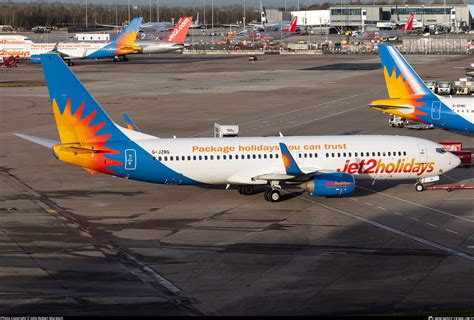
(335, 184)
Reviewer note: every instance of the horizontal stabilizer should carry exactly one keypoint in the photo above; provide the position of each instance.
(38, 140)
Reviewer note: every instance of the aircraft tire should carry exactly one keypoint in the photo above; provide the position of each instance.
(266, 195)
(419, 187)
(248, 190)
(274, 195)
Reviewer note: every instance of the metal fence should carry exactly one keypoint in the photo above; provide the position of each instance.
(438, 46)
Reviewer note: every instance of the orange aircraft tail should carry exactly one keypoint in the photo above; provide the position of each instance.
(178, 34)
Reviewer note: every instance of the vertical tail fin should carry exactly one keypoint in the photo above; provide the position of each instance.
(126, 37)
(401, 80)
(409, 25)
(79, 118)
(88, 136)
(263, 14)
(178, 34)
(292, 26)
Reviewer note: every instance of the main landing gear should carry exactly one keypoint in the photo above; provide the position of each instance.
(272, 195)
(120, 59)
(247, 190)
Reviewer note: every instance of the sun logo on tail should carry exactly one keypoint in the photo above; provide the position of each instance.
(399, 88)
(80, 143)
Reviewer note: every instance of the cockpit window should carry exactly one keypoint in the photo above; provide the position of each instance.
(440, 150)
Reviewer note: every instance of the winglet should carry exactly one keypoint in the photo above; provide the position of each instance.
(290, 164)
(129, 122)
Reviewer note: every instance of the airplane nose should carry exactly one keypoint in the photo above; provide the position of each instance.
(454, 160)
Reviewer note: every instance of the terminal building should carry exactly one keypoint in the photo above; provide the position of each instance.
(456, 17)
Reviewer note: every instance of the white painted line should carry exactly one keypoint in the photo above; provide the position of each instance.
(331, 115)
(417, 204)
(390, 229)
(414, 219)
(398, 213)
(430, 224)
(382, 208)
(298, 110)
(452, 231)
(353, 199)
(369, 204)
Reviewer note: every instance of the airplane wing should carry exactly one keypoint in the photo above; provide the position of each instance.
(292, 171)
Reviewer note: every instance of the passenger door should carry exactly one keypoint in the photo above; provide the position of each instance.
(436, 110)
(130, 159)
(423, 153)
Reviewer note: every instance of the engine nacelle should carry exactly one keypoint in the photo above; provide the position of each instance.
(335, 184)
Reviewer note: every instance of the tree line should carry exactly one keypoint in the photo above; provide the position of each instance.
(26, 16)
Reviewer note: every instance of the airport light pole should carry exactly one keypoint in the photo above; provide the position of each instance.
(150, 10)
(244, 15)
(86, 14)
(157, 10)
(212, 20)
(422, 9)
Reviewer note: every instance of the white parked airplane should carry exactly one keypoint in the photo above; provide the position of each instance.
(172, 42)
(321, 165)
(117, 49)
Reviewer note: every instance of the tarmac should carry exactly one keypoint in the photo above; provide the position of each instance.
(79, 244)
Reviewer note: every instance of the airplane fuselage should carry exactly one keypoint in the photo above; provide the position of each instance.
(242, 160)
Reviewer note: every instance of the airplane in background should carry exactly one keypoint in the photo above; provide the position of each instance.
(117, 49)
(270, 35)
(14, 39)
(174, 41)
(410, 98)
(268, 26)
(152, 27)
(197, 24)
(387, 34)
(320, 165)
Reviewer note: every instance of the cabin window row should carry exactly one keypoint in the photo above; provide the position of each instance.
(365, 154)
(217, 157)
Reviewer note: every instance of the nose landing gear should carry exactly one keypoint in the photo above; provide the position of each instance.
(419, 187)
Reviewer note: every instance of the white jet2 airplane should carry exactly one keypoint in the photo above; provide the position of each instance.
(321, 165)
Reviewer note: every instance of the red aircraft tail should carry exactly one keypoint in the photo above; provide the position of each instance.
(409, 25)
(292, 26)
